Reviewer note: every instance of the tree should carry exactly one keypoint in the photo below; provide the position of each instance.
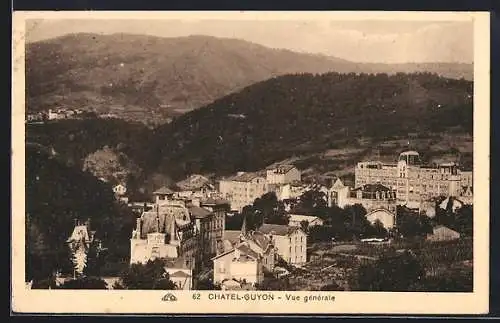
(394, 272)
(332, 286)
(313, 202)
(94, 260)
(207, 284)
(85, 283)
(270, 209)
(455, 280)
(355, 220)
(378, 230)
(411, 224)
(151, 275)
(464, 220)
(304, 225)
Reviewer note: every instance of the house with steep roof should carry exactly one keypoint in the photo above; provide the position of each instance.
(338, 194)
(163, 194)
(79, 243)
(195, 186)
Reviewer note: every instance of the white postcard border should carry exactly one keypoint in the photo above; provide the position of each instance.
(136, 302)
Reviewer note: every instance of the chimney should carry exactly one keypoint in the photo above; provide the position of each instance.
(138, 227)
(195, 202)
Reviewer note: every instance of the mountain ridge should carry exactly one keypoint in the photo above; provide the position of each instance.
(142, 77)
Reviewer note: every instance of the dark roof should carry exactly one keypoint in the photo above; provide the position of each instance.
(199, 212)
(260, 239)
(193, 182)
(372, 188)
(277, 229)
(247, 251)
(212, 201)
(232, 235)
(443, 227)
(179, 274)
(245, 177)
(163, 190)
(284, 168)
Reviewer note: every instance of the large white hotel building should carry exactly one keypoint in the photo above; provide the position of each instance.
(414, 182)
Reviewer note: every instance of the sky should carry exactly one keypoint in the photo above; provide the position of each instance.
(375, 41)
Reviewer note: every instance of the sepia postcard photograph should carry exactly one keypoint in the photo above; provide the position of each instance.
(250, 162)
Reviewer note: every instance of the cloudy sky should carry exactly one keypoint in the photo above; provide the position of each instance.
(361, 41)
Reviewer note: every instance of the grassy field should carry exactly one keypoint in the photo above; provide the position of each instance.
(334, 264)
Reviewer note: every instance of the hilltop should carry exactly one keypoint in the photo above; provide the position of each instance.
(144, 78)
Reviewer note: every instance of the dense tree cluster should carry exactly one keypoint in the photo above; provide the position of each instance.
(57, 196)
(151, 275)
(406, 272)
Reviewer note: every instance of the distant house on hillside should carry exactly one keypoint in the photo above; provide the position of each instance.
(282, 174)
(195, 186)
(119, 189)
(442, 233)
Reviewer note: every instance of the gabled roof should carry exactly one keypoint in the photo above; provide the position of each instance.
(379, 210)
(245, 250)
(338, 184)
(179, 273)
(277, 229)
(193, 182)
(199, 212)
(439, 227)
(80, 232)
(260, 239)
(163, 191)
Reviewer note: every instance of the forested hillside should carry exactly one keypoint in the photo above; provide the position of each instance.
(295, 115)
(284, 117)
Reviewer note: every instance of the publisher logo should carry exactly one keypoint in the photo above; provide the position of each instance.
(169, 298)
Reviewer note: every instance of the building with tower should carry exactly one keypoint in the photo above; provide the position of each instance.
(412, 181)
